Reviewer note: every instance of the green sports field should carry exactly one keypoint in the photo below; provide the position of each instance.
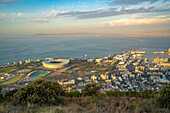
(40, 74)
(12, 80)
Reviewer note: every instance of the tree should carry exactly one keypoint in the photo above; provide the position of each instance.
(40, 92)
(91, 89)
(0, 89)
(163, 98)
(147, 91)
(1, 96)
(9, 95)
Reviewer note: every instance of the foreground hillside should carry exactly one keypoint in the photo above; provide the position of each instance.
(49, 97)
(92, 105)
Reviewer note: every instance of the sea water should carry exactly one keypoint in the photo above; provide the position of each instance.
(23, 48)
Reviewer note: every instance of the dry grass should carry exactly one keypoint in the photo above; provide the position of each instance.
(92, 105)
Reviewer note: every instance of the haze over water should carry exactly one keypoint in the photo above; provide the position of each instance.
(16, 49)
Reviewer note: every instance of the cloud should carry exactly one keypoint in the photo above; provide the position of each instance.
(3, 15)
(7, 1)
(39, 20)
(137, 21)
(7, 15)
(132, 2)
(67, 34)
(102, 13)
(146, 33)
(19, 14)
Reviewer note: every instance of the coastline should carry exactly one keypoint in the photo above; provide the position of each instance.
(75, 47)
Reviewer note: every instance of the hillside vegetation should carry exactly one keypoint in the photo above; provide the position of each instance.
(46, 96)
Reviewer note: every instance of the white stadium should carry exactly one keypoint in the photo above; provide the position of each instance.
(56, 63)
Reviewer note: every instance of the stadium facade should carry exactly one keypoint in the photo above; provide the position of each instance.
(55, 63)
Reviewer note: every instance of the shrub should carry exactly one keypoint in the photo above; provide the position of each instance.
(91, 89)
(1, 96)
(147, 91)
(115, 93)
(40, 92)
(100, 95)
(163, 98)
(73, 94)
(132, 93)
(86, 102)
(131, 107)
(118, 93)
(9, 95)
(145, 106)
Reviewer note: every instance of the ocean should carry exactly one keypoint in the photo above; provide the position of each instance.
(19, 49)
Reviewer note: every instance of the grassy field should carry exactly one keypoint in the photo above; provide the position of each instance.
(97, 70)
(12, 80)
(35, 64)
(8, 71)
(2, 75)
(5, 68)
(41, 74)
(8, 68)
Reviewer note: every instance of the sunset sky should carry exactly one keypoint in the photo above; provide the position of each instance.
(57, 18)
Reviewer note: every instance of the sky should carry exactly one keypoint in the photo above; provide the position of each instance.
(64, 18)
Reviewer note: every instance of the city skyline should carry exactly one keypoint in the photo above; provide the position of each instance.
(57, 18)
